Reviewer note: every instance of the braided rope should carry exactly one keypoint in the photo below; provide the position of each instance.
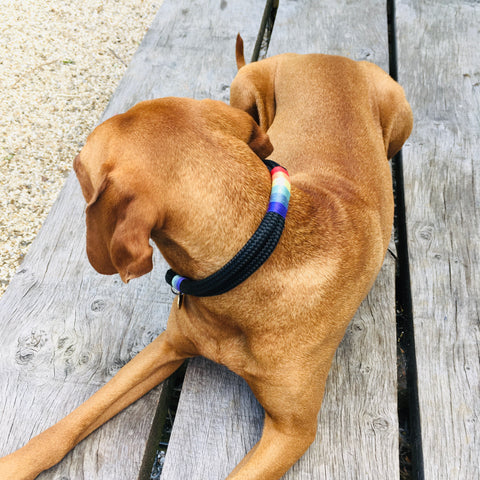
(253, 254)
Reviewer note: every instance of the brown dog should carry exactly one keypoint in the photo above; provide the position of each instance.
(188, 175)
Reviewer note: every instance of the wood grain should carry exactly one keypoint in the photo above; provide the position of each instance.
(357, 30)
(218, 419)
(66, 330)
(439, 66)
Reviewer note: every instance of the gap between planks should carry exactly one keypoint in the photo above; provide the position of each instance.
(403, 295)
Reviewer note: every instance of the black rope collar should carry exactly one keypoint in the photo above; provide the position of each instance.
(253, 254)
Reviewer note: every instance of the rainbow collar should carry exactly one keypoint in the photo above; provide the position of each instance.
(253, 254)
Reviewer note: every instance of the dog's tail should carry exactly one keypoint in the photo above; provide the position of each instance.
(239, 53)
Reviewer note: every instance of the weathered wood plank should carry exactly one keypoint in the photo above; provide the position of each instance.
(65, 329)
(439, 66)
(358, 425)
(218, 419)
(357, 30)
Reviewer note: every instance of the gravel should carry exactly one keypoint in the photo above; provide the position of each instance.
(60, 62)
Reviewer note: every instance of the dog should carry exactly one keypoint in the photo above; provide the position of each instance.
(189, 175)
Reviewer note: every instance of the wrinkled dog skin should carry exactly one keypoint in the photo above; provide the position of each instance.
(188, 174)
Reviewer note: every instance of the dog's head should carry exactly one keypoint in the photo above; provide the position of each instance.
(128, 172)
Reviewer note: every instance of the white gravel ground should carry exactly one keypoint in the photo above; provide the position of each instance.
(60, 62)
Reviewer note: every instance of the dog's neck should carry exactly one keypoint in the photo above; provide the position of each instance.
(212, 218)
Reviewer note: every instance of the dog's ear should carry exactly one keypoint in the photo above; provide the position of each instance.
(259, 142)
(235, 122)
(252, 91)
(119, 226)
(395, 114)
(84, 179)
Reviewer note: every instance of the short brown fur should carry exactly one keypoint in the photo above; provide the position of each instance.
(187, 174)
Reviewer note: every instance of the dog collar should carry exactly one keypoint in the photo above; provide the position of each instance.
(253, 254)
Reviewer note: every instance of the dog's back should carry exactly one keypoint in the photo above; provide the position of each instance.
(333, 123)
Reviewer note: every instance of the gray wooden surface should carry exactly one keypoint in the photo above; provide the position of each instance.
(439, 66)
(65, 330)
(218, 419)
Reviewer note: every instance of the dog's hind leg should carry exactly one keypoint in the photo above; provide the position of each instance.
(291, 410)
(146, 370)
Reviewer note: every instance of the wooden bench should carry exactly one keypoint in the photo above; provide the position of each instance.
(439, 66)
(65, 330)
